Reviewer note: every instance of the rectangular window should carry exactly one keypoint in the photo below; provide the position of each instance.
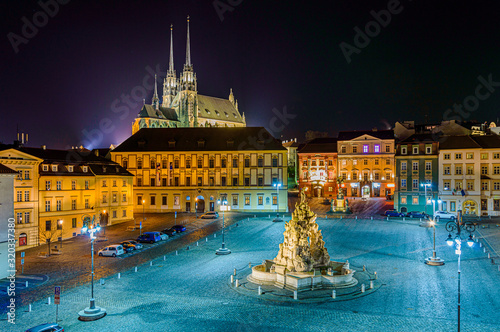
(200, 181)
(19, 217)
(48, 225)
(387, 148)
(484, 156)
(47, 185)
(247, 162)
(223, 181)
(235, 181)
(354, 149)
(484, 170)
(496, 170)
(446, 185)
(139, 200)
(387, 161)
(403, 165)
(164, 163)
(470, 170)
(124, 198)
(164, 182)
(54, 168)
(176, 163)
(235, 200)
(58, 185)
(176, 181)
(26, 217)
(275, 200)
(446, 156)
(164, 200)
(124, 213)
(403, 199)
(47, 206)
(469, 155)
(484, 185)
(446, 170)
(496, 205)
(152, 182)
(211, 181)
(444, 206)
(73, 185)
(415, 149)
(415, 200)
(260, 181)
(73, 222)
(414, 166)
(247, 200)
(275, 162)
(114, 183)
(458, 185)
(354, 175)
(377, 176)
(188, 163)
(139, 182)
(470, 185)
(73, 204)
(343, 149)
(365, 161)
(458, 156)
(223, 163)
(114, 214)
(87, 205)
(260, 162)
(428, 148)
(114, 198)
(496, 155)
(428, 166)
(365, 148)
(260, 200)
(152, 200)
(86, 185)
(415, 184)
(26, 196)
(235, 162)
(247, 181)
(365, 176)
(496, 185)
(458, 170)
(211, 163)
(403, 149)
(376, 148)
(26, 175)
(152, 164)
(19, 196)
(452, 206)
(375, 161)
(104, 198)
(403, 183)
(104, 184)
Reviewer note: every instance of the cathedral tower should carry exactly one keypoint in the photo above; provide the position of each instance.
(170, 82)
(188, 90)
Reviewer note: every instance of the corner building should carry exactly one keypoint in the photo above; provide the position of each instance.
(190, 169)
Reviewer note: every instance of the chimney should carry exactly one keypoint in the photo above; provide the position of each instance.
(96, 152)
(22, 138)
(26, 138)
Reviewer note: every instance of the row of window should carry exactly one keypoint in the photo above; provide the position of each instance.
(211, 163)
(55, 168)
(470, 170)
(27, 175)
(175, 181)
(414, 166)
(48, 184)
(74, 224)
(343, 162)
(365, 176)
(260, 200)
(458, 185)
(366, 148)
(470, 155)
(48, 203)
(415, 149)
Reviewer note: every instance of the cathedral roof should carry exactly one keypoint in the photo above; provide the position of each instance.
(200, 139)
(218, 109)
(149, 111)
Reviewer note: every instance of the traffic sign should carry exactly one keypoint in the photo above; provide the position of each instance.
(57, 294)
(22, 261)
(22, 253)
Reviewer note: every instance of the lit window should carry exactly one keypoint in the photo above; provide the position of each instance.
(377, 148)
(365, 148)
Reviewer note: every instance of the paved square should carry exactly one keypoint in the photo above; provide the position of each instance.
(191, 291)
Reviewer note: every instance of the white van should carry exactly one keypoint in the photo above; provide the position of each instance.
(112, 250)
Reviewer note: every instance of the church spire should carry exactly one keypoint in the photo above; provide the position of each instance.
(171, 63)
(155, 101)
(188, 48)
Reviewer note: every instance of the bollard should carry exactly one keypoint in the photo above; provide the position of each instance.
(375, 274)
(404, 219)
(372, 218)
(101, 281)
(27, 280)
(259, 290)
(480, 244)
(135, 269)
(269, 216)
(215, 235)
(484, 249)
(196, 243)
(151, 263)
(488, 257)
(48, 300)
(234, 271)
(364, 268)
(164, 258)
(340, 217)
(206, 239)
(248, 219)
(187, 248)
(29, 307)
(334, 294)
(295, 295)
(387, 218)
(232, 279)
(237, 283)
(176, 253)
(371, 284)
(356, 217)
(362, 288)
(119, 275)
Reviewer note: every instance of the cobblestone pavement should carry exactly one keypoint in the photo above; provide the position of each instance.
(190, 291)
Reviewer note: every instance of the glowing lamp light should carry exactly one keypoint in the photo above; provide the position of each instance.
(84, 229)
(470, 241)
(98, 227)
(449, 240)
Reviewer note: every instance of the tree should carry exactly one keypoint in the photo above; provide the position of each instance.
(48, 236)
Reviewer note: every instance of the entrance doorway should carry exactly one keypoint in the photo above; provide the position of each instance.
(188, 206)
(200, 204)
(104, 219)
(366, 191)
(212, 206)
(470, 207)
(376, 191)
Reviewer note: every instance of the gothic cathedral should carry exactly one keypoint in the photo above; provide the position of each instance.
(181, 105)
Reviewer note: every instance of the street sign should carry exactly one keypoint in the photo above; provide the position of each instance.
(57, 294)
(22, 261)
(175, 214)
(140, 225)
(22, 253)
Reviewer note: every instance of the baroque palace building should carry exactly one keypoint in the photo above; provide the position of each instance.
(191, 169)
(54, 189)
(181, 106)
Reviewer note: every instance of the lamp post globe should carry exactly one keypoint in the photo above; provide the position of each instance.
(223, 207)
(277, 186)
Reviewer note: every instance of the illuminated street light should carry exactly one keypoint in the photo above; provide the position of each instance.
(92, 312)
(224, 207)
(434, 260)
(61, 223)
(277, 186)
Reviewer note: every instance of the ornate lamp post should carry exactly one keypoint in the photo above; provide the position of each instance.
(434, 260)
(92, 312)
(61, 223)
(277, 185)
(458, 227)
(224, 207)
(425, 185)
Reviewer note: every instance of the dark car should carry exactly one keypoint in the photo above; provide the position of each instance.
(179, 228)
(150, 237)
(169, 231)
(416, 214)
(393, 213)
(47, 327)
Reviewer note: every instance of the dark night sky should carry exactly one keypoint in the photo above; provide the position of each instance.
(273, 54)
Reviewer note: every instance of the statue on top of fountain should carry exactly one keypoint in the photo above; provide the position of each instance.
(303, 248)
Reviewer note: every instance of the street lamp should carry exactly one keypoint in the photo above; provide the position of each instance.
(458, 226)
(61, 223)
(223, 207)
(434, 260)
(92, 312)
(425, 185)
(143, 217)
(277, 185)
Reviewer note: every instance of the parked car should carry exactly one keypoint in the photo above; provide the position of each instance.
(179, 228)
(47, 327)
(444, 215)
(150, 237)
(416, 214)
(134, 245)
(163, 236)
(169, 231)
(210, 215)
(112, 250)
(393, 213)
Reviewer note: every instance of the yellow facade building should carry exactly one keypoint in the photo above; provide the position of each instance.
(190, 169)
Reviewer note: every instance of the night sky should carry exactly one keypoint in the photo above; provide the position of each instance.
(65, 79)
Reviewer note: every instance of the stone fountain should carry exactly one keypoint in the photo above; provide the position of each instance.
(303, 261)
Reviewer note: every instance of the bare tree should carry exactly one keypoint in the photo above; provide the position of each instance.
(48, 236)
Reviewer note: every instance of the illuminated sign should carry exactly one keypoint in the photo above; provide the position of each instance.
(391, 185)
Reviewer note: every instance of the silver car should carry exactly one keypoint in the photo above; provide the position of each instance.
(444, 215)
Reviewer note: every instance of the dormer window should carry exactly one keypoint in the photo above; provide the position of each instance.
(207, 110)
(201, 143)
(235, 116)
(45, 168)
(104, 169)
(217, 112)
(171, 144)
(85, 169)
(230, 143)
(54, 168)
(227, 115)
(70, 168)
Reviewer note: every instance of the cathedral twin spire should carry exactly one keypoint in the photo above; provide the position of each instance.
(187, 81)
